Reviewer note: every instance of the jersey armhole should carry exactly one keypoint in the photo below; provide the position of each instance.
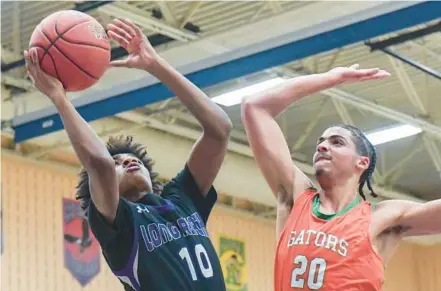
(307, 192)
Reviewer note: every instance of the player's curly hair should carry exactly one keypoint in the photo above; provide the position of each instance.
(115, 146)
(365, 148)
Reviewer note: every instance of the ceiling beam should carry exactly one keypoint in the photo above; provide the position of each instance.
(193, 8)
(311, 125)
(340, 31)
(358, 102)
(400, 164)
(263, 6)
(167, 13)
(404, 37)
(408, 87)
(274, 6)
(342, 112)
(413, 63)
(432, 149)
(144, 19)
(16, 28)
(363, 104)
(429, 52)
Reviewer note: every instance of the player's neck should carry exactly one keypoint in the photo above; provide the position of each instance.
(336, 197)
(134, 195)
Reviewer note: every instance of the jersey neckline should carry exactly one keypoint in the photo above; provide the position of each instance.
(316, 208)
(156, 202)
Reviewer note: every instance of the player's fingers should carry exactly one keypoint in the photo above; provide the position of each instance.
(122, 24)
(31, 56)
(28, 63)
(119, 31)
(384, 73)
(135, 28)
(368, 72)
(119, 63)
(380, 75)
(118, 38)
(35, 60)
(355, 66)
(26, 58)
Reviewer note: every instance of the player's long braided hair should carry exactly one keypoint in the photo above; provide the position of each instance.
(365, 148)
(115, 146)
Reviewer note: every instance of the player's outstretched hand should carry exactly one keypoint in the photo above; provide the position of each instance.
(354, 74)
(141, 53)
(48, 85)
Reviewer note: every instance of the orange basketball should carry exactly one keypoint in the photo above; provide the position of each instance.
(72, 47)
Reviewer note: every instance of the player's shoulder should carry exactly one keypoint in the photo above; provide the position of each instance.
(307, 194)
(393, 206)
(387, 213)
(176, 183)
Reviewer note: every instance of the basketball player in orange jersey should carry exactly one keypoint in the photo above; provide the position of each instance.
(329, 238)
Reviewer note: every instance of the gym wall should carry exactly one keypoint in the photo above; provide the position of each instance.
(33, 258)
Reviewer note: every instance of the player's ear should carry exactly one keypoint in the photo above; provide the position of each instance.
(363, 163)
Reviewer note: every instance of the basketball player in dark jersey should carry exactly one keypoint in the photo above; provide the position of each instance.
(152, 237)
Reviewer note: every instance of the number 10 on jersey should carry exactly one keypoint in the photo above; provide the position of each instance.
(199, 250)
(315, 272)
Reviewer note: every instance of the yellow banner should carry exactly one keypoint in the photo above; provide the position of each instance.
(233, 262)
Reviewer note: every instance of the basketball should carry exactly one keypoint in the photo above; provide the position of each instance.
(72, 47)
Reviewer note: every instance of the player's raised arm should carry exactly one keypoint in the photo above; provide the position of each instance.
(209, 151)
(413, 218)
(89, 148)
(266, 138)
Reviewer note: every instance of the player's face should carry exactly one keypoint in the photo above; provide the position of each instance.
(336, 154)
(133, 176)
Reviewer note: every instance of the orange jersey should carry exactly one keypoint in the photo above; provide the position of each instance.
(318, 254)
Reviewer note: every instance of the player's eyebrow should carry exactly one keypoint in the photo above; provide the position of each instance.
(321, 139)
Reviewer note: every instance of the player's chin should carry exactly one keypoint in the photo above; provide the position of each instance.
(136, 179)
(321, 170)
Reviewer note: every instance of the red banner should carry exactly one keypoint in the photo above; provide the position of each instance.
(81, 249)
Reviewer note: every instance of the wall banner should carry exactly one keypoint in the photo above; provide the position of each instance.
(81, 249)
(233, 262)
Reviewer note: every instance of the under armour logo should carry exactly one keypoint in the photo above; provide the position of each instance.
(142, 209)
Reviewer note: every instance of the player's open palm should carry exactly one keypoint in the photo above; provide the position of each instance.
(48, 85)
(130, 37)
(354, 74)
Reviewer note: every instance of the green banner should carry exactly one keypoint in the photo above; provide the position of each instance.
(233, 262)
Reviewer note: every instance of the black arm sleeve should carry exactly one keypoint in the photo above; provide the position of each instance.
(185, 189)
(116, 239)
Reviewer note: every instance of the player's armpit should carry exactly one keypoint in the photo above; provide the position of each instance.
(415, 218)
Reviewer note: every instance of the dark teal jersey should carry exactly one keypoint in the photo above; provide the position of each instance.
(161, 242)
